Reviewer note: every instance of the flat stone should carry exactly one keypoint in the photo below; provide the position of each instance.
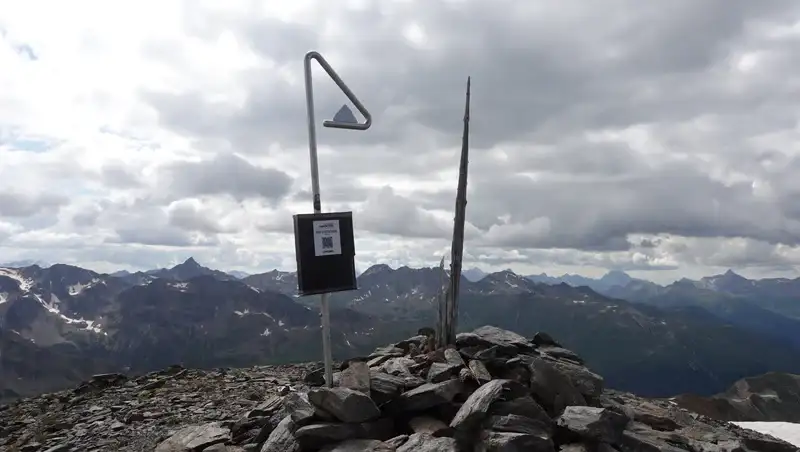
(560, 352)
(543, 339)
(439, 372)
(356, 377)
(522, 406)
(315, 436)
(195, 437)
(429, 425)
(452, 357)
(479, 371)
(588, 383)
(551, 387)
(398, 366)
(302, 411)
(344, 404)
(315, 378)
(597, 424)
(476, 407)
(514, 423)
(282, 438)
(359, 445)
(514, 442)
(429, 395)
(390, 351)
(378, 360)
(499, 336)
(422, 442)
(397, 441)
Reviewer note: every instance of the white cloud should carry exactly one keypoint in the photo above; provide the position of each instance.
(139, 133)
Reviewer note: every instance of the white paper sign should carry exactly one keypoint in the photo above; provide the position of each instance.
(327, 240)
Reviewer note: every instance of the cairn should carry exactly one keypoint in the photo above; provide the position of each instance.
(494, 391)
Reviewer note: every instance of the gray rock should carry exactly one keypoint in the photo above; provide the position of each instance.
(574, 447)
(315, 436)
(429, 395)
(385, 387)
(344, 404)
(60, 448)
(514, 423)
(522, 406)
(315, 378)
(302, 411)
(452, 357)
(282, 438)
(223, 448)
(390, 351)
(196, 437)
(421, 442)
(267, 407)
(417, 341)
(397, 441)
(476, 407)
(514, 442)
(398, 366)
(429, 425)
(356, 377)
(588, 383)
(551, 387)
(439, 372)
(479, 371)
(359, 445)
(647, 440)
(542, 339)
(378, 360)
(597, 424)
(560, 352)
(499, 336)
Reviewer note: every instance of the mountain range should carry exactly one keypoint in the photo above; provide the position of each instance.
(61, 323)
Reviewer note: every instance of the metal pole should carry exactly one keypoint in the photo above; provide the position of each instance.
(325, 313)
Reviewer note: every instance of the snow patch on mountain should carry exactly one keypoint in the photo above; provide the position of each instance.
(25, 284)
(787, 431)
(53, 308)
(76, 289)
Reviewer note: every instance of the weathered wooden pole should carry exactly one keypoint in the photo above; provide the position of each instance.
(440, 303)
(457, 250)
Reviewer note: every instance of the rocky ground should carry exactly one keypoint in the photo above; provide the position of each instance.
(494, 391)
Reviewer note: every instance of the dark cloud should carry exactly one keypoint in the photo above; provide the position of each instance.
(386, 212)
(226, 174)
(190, 217)
(161, 236)
(18, 204)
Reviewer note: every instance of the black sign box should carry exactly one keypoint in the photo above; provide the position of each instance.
(325, 252)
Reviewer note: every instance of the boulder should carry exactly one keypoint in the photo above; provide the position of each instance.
(345, 404)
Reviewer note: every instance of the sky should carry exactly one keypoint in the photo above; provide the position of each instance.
(658, 138)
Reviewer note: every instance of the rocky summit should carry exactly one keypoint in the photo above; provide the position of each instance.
(494, 391)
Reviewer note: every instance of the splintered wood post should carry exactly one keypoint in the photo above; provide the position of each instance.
(457, 250)
(441, 300)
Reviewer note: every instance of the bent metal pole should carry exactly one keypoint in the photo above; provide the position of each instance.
(312, 151)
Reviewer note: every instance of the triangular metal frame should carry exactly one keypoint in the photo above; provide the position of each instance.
(313, 55)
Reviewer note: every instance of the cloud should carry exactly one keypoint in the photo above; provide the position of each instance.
(16, 204)
(659, 138)
(226, 174)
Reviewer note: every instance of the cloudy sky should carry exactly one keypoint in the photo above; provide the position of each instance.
(660, 138)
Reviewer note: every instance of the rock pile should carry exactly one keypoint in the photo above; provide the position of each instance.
(494, 391)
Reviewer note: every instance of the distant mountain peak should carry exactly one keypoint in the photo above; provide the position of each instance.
(732, 274)
(377, 268)
(191, 263)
